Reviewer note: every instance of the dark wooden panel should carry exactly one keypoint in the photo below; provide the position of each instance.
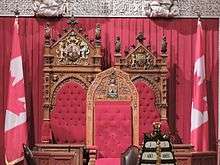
(58, 154)
(185, 156)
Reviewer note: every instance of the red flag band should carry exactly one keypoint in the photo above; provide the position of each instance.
(199, 112)
(15, 116)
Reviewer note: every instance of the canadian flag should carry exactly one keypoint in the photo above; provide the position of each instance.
(199, 112)
(15, 116)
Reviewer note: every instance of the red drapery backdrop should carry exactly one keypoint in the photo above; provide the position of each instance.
(181, 44)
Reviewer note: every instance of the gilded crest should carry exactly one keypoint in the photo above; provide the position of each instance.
(73, 50)
(141, 59)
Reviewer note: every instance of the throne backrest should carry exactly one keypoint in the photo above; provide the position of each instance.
(112, 113)
(148, 72)
(70, 65)
(68, 117)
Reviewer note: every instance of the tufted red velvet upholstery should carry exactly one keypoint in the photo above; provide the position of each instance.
(68, 120)
(113, 128)
(148, 112)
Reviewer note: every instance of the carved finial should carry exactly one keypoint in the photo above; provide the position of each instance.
(117, 45)
(164, 44)
(140, 37)
(47, 33)
(98, 32)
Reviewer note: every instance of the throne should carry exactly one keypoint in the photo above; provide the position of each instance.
(112, 117)
(148, 72)
(70, 65)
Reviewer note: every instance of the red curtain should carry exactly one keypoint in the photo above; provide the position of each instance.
(181, 44)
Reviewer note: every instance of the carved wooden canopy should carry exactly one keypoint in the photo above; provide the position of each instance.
(72, 57)
(142, 64)
(114, 85)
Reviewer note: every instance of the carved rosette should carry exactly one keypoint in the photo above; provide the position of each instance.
(99, 90)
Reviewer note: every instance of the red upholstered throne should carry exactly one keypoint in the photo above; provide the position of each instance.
(70, 65)
(149, 74)
(112, 116)
(68, 119)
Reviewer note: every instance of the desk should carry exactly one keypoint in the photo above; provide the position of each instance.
(185, 155)
(58, 154)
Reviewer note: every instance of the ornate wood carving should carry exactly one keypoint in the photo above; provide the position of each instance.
(141, 64)
(71, 58)
(112, 84)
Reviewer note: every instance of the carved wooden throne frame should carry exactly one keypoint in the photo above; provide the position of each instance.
(98, 91)
(71, 58)
(101, 90)
(142, 64)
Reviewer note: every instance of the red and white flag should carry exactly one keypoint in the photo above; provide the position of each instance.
(199, 112)
(15, 116)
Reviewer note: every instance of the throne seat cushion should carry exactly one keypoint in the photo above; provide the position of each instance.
(68, 118)
(113, 128)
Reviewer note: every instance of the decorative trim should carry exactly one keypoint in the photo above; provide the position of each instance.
(113, 8)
